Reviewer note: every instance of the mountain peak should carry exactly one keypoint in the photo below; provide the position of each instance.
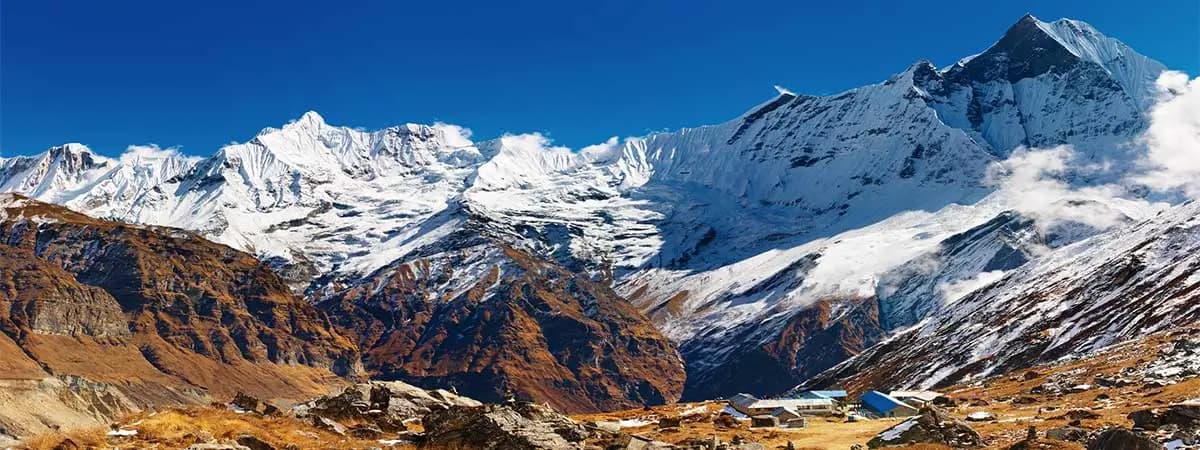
(310, 119)
(1032, 47)
(70, 148)
(1029, 48)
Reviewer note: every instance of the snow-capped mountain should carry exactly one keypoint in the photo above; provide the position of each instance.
(320, 198)
(756, 244)
(1044, 84)
(1125, 284)
(74, 176)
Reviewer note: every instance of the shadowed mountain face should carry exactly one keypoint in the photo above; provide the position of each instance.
(488, 320)
(158, 315)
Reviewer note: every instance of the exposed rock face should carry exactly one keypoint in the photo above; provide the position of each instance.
(385, 405)
(150, 316)
(518, 426)
(807, 342)
(488, 320)
(1122, 439)
(40, 297)
(182, 292)
(932, 426)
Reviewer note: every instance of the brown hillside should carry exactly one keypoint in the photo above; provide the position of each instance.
(521, 324)
(149, 316)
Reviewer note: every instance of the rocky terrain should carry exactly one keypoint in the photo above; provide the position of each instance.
(102, 318)
(526, 328)
(1137, 394)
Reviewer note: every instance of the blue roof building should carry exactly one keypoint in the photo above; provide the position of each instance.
(883, 405)
(835, 395)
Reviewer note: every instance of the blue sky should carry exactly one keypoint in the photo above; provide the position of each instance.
(114, 73)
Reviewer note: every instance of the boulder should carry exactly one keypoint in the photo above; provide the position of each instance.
(1122, 439)
(1078, 414)
(254, 443)
(700, 443)
(245, 402)
(1186, 416)
(632, 442)
(931, 426)
(669, 422)
(981, 416)
(1068, 433)
(944, 402)
(978, 402)
(516, 426)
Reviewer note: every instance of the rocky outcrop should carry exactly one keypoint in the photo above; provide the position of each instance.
(386, 406)
(931, 426)
(515, 426)
(1122, 439)
(493, 321)
(1179, 423)
(40, 297)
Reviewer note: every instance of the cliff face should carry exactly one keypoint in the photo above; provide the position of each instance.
(159, 315)
(788, 348)
(488, 320)
(39, 297)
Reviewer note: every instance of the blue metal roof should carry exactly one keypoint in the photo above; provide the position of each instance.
(824, 394)
(880, 402)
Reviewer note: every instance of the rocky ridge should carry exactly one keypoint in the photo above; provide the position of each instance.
(109, 318)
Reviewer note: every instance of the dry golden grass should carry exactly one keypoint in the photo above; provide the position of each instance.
(82, 437)
(179, 428)
(187, 426)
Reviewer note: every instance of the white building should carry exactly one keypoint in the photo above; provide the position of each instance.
(915, 398)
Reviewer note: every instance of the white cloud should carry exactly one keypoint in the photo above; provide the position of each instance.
(456, 136)
(1031, 181)
(137, 154)
(955, 290)
(1172, 161)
